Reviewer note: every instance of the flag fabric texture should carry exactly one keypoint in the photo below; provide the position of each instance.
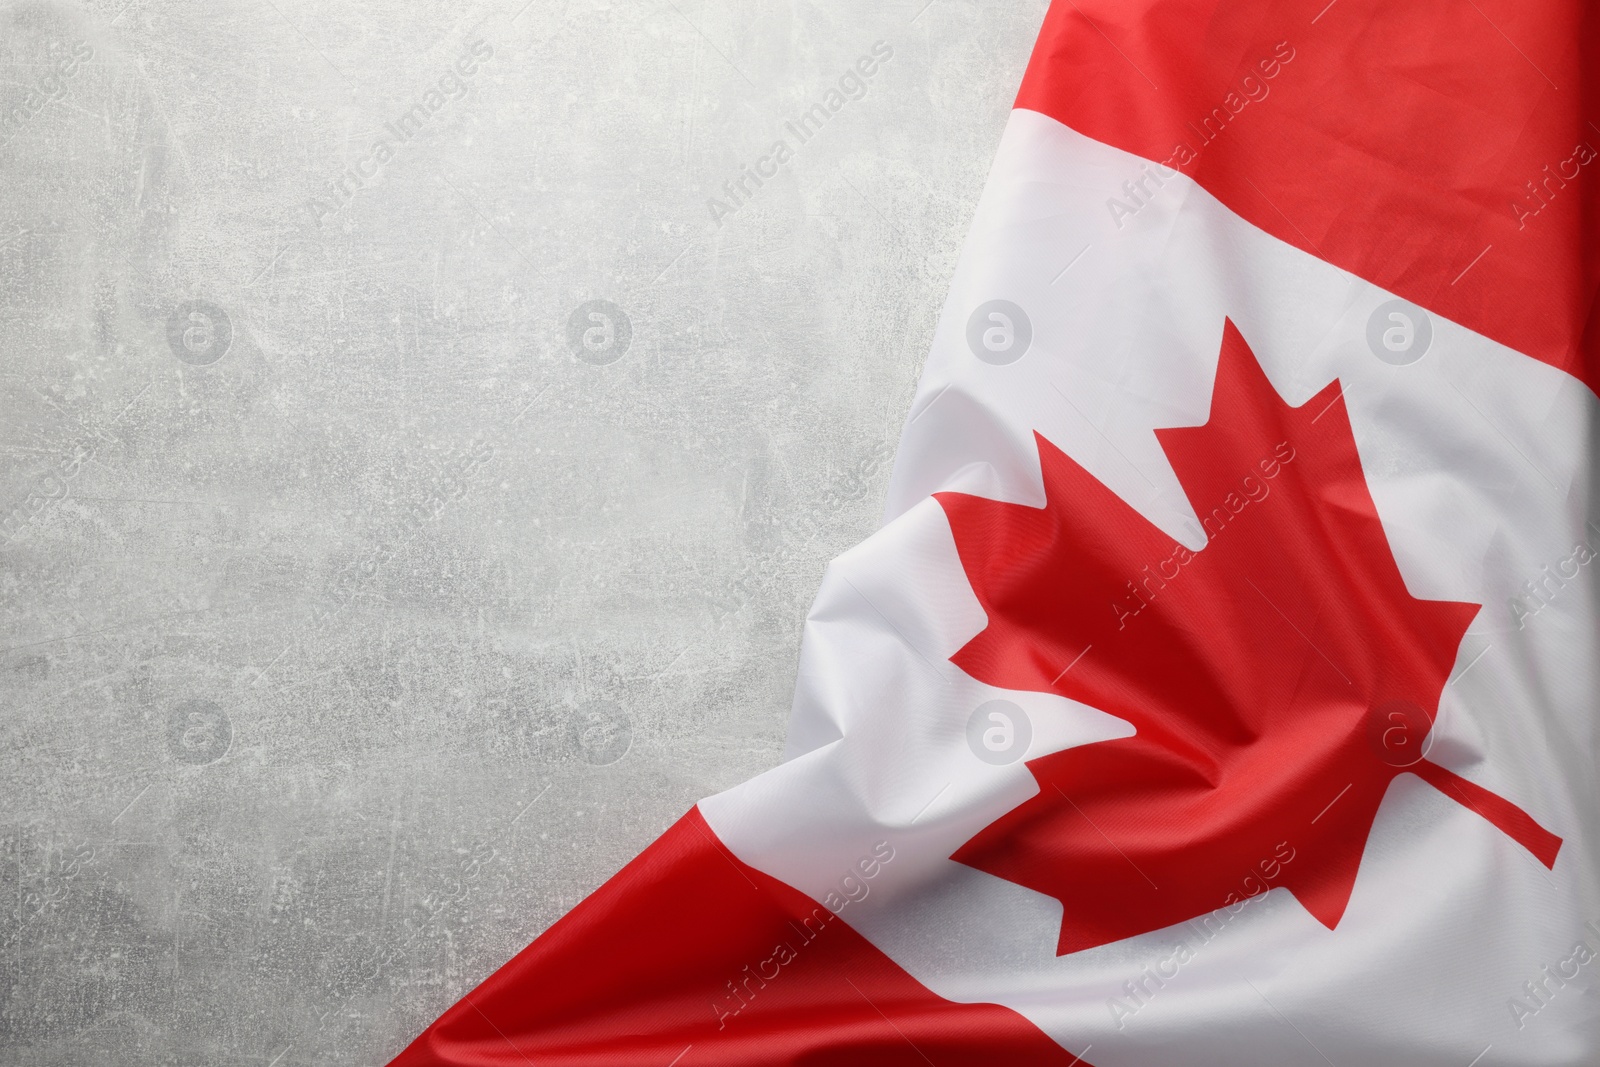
(1221, 685)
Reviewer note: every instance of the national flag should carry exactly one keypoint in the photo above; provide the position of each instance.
(1221, 685)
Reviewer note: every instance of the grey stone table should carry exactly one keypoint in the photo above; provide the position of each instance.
(422, 430)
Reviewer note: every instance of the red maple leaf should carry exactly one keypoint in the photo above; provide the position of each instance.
(1278, 679)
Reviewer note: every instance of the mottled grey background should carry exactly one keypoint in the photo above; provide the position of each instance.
(357, 621)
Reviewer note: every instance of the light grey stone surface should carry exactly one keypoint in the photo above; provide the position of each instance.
(358, 622)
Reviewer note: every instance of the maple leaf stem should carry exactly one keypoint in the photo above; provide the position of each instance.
(1499, 812)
